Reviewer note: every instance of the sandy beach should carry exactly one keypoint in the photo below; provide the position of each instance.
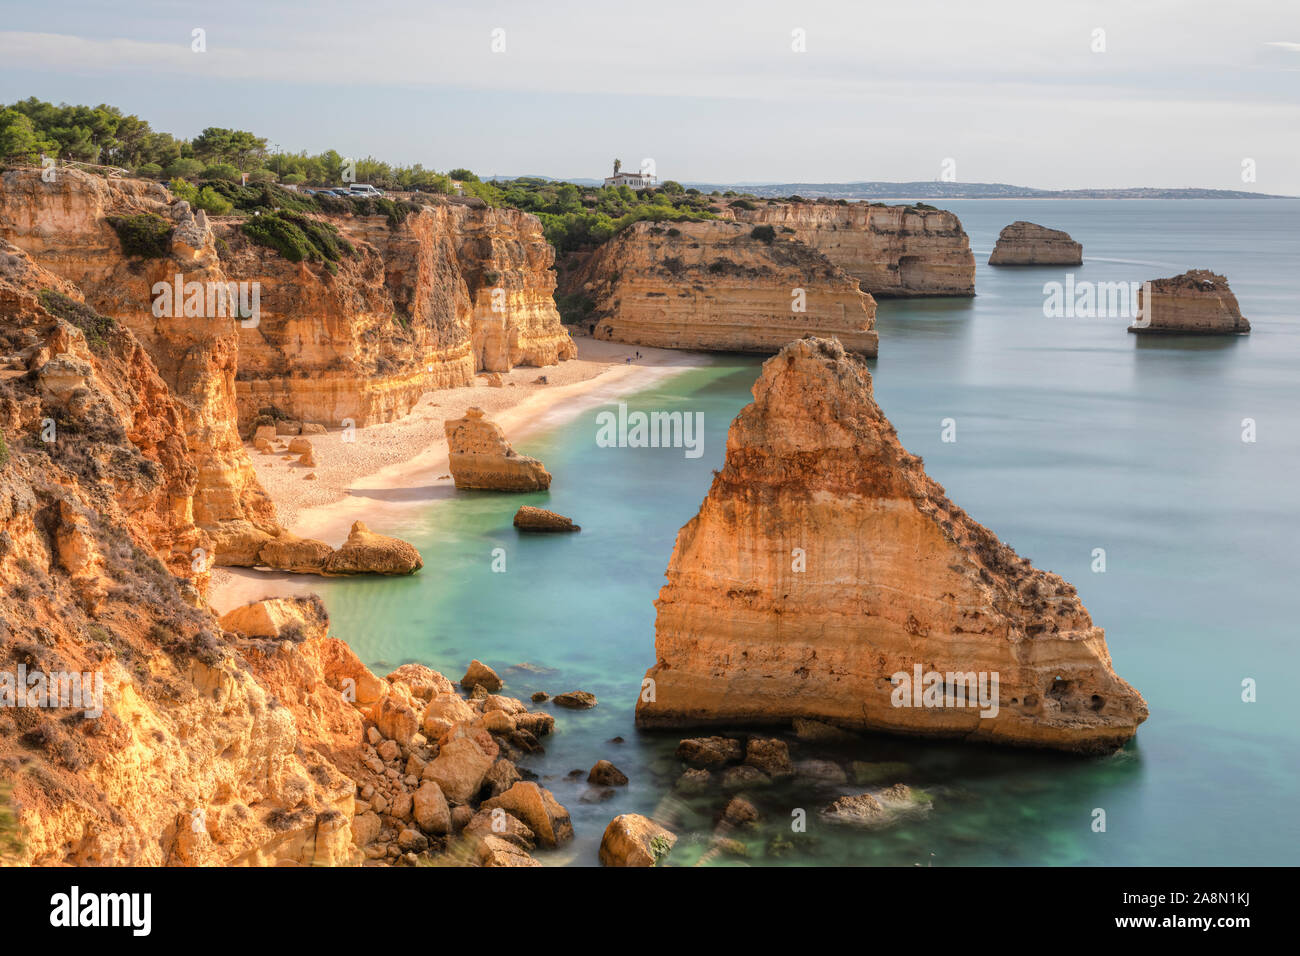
(402, 465)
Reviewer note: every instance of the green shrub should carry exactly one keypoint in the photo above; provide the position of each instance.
(763, 234)
(95, 327)
(144, 235)
(149, 171)
(298, 237)
(4, 451)
(743, 204)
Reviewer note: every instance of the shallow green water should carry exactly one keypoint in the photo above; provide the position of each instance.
(1072, 435)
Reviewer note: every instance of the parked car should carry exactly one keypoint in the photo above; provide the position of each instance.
(365, 189)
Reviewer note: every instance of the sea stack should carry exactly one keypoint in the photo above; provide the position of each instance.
(1197, 302)
(826, 576)
(1028, 244)
(480, 457)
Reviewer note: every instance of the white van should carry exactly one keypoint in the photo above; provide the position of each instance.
(364, 189)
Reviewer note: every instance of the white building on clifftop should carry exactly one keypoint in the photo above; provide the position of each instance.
(639, 180)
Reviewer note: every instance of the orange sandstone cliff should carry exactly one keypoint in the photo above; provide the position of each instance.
(63, 225)
(714, 285)
(420, 304)
(893, 251)
(825, 569)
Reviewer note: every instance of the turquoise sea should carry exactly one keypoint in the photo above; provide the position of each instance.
(1072, 435)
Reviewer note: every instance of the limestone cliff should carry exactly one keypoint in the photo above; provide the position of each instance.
(64, 226)
(169, 750)
(714, 285)
(1198, 301)
(421, 304)
(894, 251)
(825, 562)
(1027, 244)
(507, 265)
(481, 457)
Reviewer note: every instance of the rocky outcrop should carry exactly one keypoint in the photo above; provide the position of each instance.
(714, 285)
(1027, 244)
(893, 251)
(1198, 301)
(529, 518)
(634, 840)
(480, 457)
(365, 552)
(826, 576)
(65, 226)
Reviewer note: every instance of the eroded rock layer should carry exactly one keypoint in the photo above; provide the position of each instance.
(714, 285)
(825, 562)
(894, 251)
(1198, 301)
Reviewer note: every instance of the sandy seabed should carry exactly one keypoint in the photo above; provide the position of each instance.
(402, 465)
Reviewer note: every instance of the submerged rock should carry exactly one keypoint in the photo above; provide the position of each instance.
(575, 700)
(826, 572)
(1197, 302)
(1027, 244)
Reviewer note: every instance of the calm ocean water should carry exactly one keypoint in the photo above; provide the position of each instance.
(1071, 435)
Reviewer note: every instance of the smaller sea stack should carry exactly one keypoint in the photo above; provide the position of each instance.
(1029, 244)
(1198, 302)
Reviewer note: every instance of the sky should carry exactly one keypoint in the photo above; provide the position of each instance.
(1044, 93)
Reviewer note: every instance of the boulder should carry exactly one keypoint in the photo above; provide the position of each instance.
(528, 518)
(858, 810)
(538, 808)
(709, 751)
(770, 755)
(492, 850)
(459, 769)
(479, 674)
(605, 774)
(424, 682)
(575, 700)
(430, 810)
(503, 825)
(634, 840)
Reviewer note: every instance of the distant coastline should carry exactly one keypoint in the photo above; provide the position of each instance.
(877, 191)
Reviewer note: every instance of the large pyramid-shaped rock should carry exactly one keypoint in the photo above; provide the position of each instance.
(897, 580)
